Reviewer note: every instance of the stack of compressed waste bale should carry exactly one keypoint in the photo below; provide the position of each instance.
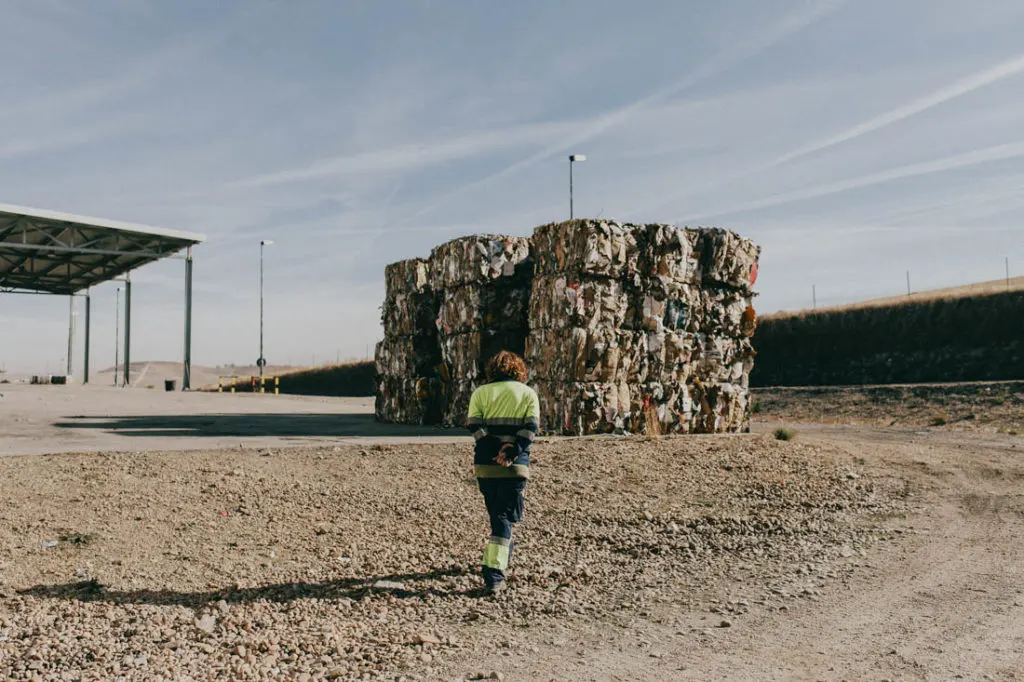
(641, 328)
(636, 328)
(409, 349)
(443, 318)
(484, 282)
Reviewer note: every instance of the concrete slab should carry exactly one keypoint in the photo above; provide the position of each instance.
(52, 419)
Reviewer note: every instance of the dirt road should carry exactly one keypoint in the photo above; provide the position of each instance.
(942, 600)
(850, 553)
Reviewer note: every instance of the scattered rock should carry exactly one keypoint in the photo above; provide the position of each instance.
(388, 585)
(207, 623)
(427, 639)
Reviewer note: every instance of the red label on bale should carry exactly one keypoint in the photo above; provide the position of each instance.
(753, 274)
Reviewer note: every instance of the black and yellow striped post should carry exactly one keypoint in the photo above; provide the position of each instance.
(232, 384)
(277, 385)
(220, 384)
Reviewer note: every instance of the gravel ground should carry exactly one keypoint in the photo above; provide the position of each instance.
(350, 563)
(992, 407)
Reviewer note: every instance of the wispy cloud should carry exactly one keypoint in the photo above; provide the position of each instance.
(964, 86)
(589, 129)
(979, 156)
(413, 156)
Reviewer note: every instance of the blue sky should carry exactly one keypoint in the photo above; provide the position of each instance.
(854, 140)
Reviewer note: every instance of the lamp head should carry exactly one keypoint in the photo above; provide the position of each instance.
(577, 157)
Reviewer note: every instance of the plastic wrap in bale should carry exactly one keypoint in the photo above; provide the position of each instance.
(558, 301)
(586, 247)
(480, 258)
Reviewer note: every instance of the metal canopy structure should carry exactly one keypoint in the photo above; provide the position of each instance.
(47, 252)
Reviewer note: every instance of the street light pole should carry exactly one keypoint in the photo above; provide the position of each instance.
(572, 159)
(262, 361)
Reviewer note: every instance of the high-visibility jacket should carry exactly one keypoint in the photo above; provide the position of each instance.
(500, 413)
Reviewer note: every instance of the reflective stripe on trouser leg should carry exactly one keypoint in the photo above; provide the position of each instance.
(496, 553)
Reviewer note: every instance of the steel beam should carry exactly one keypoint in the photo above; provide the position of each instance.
(52, 248)
(88, 328)
(186, 381)
(128, 332)
(71, 336)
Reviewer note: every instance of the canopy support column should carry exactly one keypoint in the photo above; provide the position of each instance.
(88, 325)
(127, 330)
(186, 381)
(71, 336)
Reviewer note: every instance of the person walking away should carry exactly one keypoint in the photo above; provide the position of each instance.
(504, 416)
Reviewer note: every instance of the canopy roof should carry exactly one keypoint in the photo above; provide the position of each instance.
(59, 253)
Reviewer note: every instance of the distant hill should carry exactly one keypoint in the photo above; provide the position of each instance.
(153, 373)
(353, 379)
(993, 287)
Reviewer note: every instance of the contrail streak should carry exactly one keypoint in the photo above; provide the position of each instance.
(972, 158)
(964, 86)
(789, 26)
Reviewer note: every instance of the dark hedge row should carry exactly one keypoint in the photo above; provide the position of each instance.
(976, 338)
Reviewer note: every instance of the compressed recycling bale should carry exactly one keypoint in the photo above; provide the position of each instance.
(664, 304)
(457, 410)
(474, 307)
(397, 401)
(723, 359)
(461, 353)
(721, 408)
(467, 354)
(669, 252)
(559, 301)
(583, 408)
(410, 314)
(586, 354)
(642, 328)
(728, 259)
(668, 356)
(479, 258)
(406, 277)
(605, 407)
(586, 247)
(407, 357)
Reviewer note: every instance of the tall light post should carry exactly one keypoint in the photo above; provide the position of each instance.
(262, 361)
(573, 158)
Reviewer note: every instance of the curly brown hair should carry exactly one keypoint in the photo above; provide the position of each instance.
(506, 365)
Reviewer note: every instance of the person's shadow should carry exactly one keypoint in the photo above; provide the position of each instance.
(402, 586)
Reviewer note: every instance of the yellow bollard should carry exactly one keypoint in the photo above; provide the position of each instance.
(262, 384)
(277, 385)
(232, 384)
(220, 384)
